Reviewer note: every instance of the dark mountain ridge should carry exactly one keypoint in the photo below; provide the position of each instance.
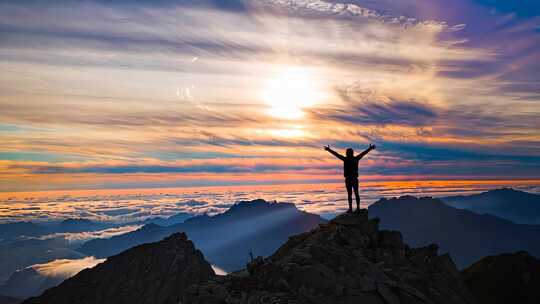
(16, 230)
(149, 273)
(15, 255)
(467, 236)
(28, 282)
(240, 229)
(23, 244)
(348, 260)
(517, 206)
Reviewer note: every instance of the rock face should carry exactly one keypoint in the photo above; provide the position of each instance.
(345, 261)
(348, 260)
(150, 273)
(505, 278)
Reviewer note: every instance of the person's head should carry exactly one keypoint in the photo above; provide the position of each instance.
(349, 152)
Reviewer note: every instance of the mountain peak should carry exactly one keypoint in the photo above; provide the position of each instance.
(257, 208)
(429, 220)
(150, 273)
(514, 205)
(260, 203)
(408, 200)
(343, 261)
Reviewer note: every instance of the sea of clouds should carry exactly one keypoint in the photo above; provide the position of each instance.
(128, 206)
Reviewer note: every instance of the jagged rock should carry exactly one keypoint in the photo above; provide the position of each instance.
(347, 260)
(352, 219)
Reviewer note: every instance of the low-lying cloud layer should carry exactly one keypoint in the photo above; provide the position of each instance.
(65, 268)
(80, 237)
(125, 206)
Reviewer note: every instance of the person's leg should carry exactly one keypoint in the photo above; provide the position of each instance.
(357, 196)
(349, 187)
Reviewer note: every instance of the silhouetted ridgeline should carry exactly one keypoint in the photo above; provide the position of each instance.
(28, 282)
(261, 227)
(13, 230)
(517, 206)
(348, 260)
(150, 273)
(16, 255)
(250, 226)
(466, 235)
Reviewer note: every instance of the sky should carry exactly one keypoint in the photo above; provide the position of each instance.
(127, 94)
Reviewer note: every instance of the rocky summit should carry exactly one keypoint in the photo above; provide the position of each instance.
(347, 260)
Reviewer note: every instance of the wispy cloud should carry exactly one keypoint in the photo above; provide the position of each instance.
(79, 237)
(97, 90)
(65, 268)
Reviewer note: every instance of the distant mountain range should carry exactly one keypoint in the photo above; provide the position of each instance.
(467, 236)
(517, 206)
(240, 231)
(348, 260)
(259, 227)
(23, 244)
(16, 230)
(166, 221)
(226, 239)
(28, 282)
(18, 254)
(10, 231)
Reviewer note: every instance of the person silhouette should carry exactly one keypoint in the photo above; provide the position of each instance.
(350, 172)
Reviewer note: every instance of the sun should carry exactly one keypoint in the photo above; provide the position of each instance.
(292, 90)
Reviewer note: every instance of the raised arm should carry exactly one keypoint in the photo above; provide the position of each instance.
(366, 151)
(327, 148)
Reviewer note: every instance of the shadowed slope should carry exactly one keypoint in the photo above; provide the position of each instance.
(345, 261)
(467, 236)
(249, 226)
(505, 278)
(517, 206)
(150, 273)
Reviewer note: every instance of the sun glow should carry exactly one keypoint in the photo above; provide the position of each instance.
(291, 91)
